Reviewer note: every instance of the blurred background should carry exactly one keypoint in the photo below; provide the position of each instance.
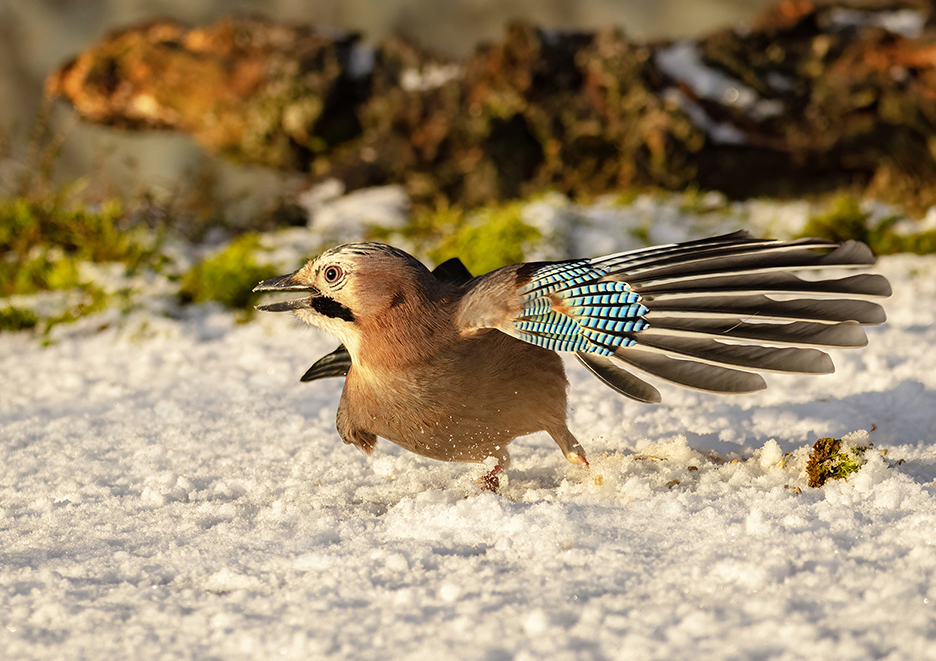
(36, 36)
(111, 227)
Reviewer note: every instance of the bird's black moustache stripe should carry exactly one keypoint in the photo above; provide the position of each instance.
(331, 308)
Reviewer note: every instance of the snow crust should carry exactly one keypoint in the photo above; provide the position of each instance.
(169, 489)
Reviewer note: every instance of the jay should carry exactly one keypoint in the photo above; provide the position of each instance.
(454, 368)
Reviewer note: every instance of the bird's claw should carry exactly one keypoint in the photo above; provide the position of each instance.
(489, 481)
(578, 458)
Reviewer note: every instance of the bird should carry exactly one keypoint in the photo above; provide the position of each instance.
(454, 367)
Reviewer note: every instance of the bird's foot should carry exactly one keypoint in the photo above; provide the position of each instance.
(489, 481)
(578, 458)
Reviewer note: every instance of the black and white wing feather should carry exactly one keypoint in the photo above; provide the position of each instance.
(706, 314)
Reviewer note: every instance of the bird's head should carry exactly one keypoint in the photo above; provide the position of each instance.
(352, 288)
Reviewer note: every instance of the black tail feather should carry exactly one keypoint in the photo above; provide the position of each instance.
(619, 379)
(793, 360)
(861, 285)
(846, 334)
(690, 373)
(758, 306)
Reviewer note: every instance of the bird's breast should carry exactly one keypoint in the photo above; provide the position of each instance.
(463, 404)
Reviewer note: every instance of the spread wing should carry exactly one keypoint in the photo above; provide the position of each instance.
(705, 314)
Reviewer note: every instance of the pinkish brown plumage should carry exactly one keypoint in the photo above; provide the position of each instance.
(456, 372)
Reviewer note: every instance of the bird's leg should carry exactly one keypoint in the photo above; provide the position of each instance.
(570, 446)
(489, 481)
(361, 439)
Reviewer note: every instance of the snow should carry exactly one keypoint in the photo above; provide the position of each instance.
(907, 23)
(682, 61)
(169, 489)
(720, 132)
(430, 76)
(361, 61)
(340, 218)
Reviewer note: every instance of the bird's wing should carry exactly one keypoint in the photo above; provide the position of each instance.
(703, 314)
(336, 363)
(453, 272)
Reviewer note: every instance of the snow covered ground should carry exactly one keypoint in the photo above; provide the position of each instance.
(169, 489)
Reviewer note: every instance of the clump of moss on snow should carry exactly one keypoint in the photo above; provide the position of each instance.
(491, 238)
(228, 276)
(845, 219)
(14, 318)
(43, 241)
(834, 459)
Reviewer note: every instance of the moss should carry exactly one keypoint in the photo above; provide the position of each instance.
(831, 459)
(884, 241)
(42, 241)
(426, 228)
(845, 220)
(484, 239)
(695, 201)
(93, 299)
(642, 232)
(15, 319)
(41, 273)
(494, 237)
(626, 197)
(228, 277)
(86, 233)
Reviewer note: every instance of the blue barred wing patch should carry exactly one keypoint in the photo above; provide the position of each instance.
(565, 308)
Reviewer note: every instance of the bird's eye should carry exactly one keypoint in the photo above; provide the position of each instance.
(333, 274)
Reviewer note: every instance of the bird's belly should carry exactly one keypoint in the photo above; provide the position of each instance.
(472, 435)
(467, 407)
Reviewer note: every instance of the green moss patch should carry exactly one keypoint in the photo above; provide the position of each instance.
(844, 220)
(228, 277)
(833, 459)
(92, 299)
(44, 240)
(15, 319)
(488, 239)
(484, 239)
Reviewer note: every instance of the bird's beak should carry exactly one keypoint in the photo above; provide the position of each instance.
(286, 283)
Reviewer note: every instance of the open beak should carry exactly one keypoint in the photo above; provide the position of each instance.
(286, 283)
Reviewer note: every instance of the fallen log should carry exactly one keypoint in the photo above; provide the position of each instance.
(808, 98)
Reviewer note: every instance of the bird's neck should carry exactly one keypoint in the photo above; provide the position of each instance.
(404, 337)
